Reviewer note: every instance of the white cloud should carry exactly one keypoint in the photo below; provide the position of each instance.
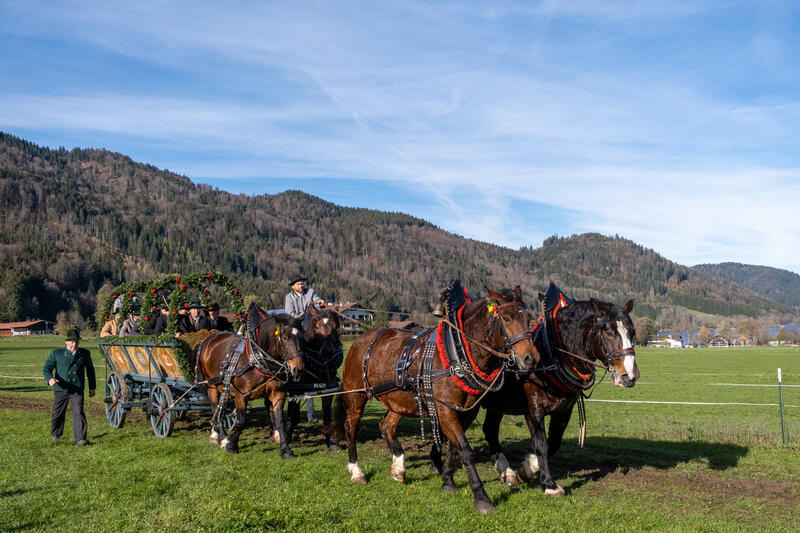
(616, 112)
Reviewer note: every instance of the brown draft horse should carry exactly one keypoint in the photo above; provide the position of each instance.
(499, 323)
(594, 330)
(269, 357)
(322, 356)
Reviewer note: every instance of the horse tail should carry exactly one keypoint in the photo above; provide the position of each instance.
(335, 430)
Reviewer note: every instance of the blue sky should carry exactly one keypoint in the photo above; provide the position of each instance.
(673, 124)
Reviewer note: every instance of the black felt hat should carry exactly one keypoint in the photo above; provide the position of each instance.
(213, 306)
(295, 280)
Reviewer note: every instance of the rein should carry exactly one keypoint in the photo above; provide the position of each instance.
(489, 349)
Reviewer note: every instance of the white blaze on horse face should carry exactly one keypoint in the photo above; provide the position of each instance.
(325, 321)
(295, 332)
(628, 362)
(623, 332)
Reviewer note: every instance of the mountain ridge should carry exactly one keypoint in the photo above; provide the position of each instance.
(75, 220)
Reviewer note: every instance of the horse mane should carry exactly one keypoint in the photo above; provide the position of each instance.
(582, 313)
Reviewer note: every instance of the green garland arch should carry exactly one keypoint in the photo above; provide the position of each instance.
(176, 285)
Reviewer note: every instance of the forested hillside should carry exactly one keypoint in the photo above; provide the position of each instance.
(74, 220)
(779, 285)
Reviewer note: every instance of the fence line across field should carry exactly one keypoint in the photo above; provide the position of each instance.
(691, 403)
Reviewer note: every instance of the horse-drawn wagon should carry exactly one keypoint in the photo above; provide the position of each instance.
(157, 373)
(148, 375)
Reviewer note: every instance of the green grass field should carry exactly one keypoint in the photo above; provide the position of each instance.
(644, 467)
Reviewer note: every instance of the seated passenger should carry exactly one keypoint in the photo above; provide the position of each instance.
(130, 326)
(218, 322)
(111, 326)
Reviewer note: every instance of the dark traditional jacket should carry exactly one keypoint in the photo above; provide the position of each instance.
(69, 370)
(157, 324)
(223, 324)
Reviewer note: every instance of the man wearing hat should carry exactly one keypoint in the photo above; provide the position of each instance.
(194, 321)
(130, 326)
(298, 299)
(70, 364)
(157, 322)
(215, 321)
(295, 305)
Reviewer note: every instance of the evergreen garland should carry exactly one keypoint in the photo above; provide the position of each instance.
(176, 285)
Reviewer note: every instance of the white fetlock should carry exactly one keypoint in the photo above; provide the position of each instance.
(555, 493)
(398, 470)
(356, 475)
(529, 467)
(276, 436)
(213, 438)
(507, 475)
(224, 444)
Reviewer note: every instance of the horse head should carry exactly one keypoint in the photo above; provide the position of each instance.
(614, 340)
(281, 336)
(321, 331)
(507, 324)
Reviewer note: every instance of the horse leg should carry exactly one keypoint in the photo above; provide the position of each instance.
(388, 428)
(353, 404)
(217, 431)
(276, 413)
(452, 429)
(436, 459)
(231, 442)
(448, 467)
(294, 418)
(491, 430)
(326, 424)
(539, 440)
(558, 424)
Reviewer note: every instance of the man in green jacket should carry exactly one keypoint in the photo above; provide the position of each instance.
(70, 364)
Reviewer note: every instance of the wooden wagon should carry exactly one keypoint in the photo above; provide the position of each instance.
(150, 376)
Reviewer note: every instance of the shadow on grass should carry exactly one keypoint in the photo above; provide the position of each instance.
(605, 455)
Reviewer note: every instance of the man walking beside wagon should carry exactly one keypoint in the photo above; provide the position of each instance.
(64, 371)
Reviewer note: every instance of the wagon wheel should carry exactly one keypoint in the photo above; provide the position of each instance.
(116, 394)
(161, 419)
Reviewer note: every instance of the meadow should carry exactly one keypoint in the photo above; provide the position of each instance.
(645, 466)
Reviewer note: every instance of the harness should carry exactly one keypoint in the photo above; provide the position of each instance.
(452, 347)
(561, 371)
(259, 360)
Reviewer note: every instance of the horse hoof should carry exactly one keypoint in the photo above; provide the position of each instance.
(555, 493)
(523, 474)
(450, 489)
(288, 455)
(333, 447)
(435, 470)
(510, 479)
(484, 507)
(213, 440)
(398, 475)
(361, 480)
(230, 449)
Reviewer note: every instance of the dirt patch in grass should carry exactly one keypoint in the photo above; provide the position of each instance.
(45, 404)
(781, 496)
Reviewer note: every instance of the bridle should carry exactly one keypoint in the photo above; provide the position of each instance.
(508, 342)
(612, 357)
